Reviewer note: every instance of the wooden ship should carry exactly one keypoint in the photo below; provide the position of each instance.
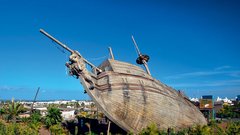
(129, 96)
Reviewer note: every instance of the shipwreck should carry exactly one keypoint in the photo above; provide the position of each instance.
(129, 96)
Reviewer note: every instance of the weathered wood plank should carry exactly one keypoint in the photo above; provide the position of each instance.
(133, 101)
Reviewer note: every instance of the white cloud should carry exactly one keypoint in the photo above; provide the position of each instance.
(43, 91)
(235, 74)
(10, 88)
(222, 67)
(222, 70)
(209, 84)
(205, 73)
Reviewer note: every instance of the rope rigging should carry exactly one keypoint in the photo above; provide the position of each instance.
(92, 59)
(60, 49)
(98, 58)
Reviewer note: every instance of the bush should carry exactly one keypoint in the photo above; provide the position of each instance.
(16, 129)
(150, 130)
(233, 128)
(53, 117)
(57, 130)
(2, 128)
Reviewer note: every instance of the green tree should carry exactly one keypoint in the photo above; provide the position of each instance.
(35, 117)
(12, 110)
(229, 111)
(53, 116)
(76, 105)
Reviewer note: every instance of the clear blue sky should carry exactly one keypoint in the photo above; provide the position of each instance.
(193, 45)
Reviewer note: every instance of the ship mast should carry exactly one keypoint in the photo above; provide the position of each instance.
(34, 100)
(142, 59)
(111, 53)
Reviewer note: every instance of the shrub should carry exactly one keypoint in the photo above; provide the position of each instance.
(57, 130)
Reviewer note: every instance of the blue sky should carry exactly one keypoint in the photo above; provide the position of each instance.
(193, 45)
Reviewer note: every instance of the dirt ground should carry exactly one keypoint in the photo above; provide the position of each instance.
(44, 131)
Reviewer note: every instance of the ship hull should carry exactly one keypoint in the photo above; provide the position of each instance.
(132, 99)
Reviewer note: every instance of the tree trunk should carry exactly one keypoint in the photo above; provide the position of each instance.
(14, 119)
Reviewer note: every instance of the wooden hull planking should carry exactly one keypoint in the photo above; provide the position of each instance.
(132, 99)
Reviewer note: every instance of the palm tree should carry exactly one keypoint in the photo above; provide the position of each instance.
(35, 117)
(12, 110)
(35, 120)
(53, 116)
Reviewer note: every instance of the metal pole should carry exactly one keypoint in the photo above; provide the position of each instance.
(111, 53)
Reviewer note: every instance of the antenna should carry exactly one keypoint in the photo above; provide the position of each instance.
(142, 59)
